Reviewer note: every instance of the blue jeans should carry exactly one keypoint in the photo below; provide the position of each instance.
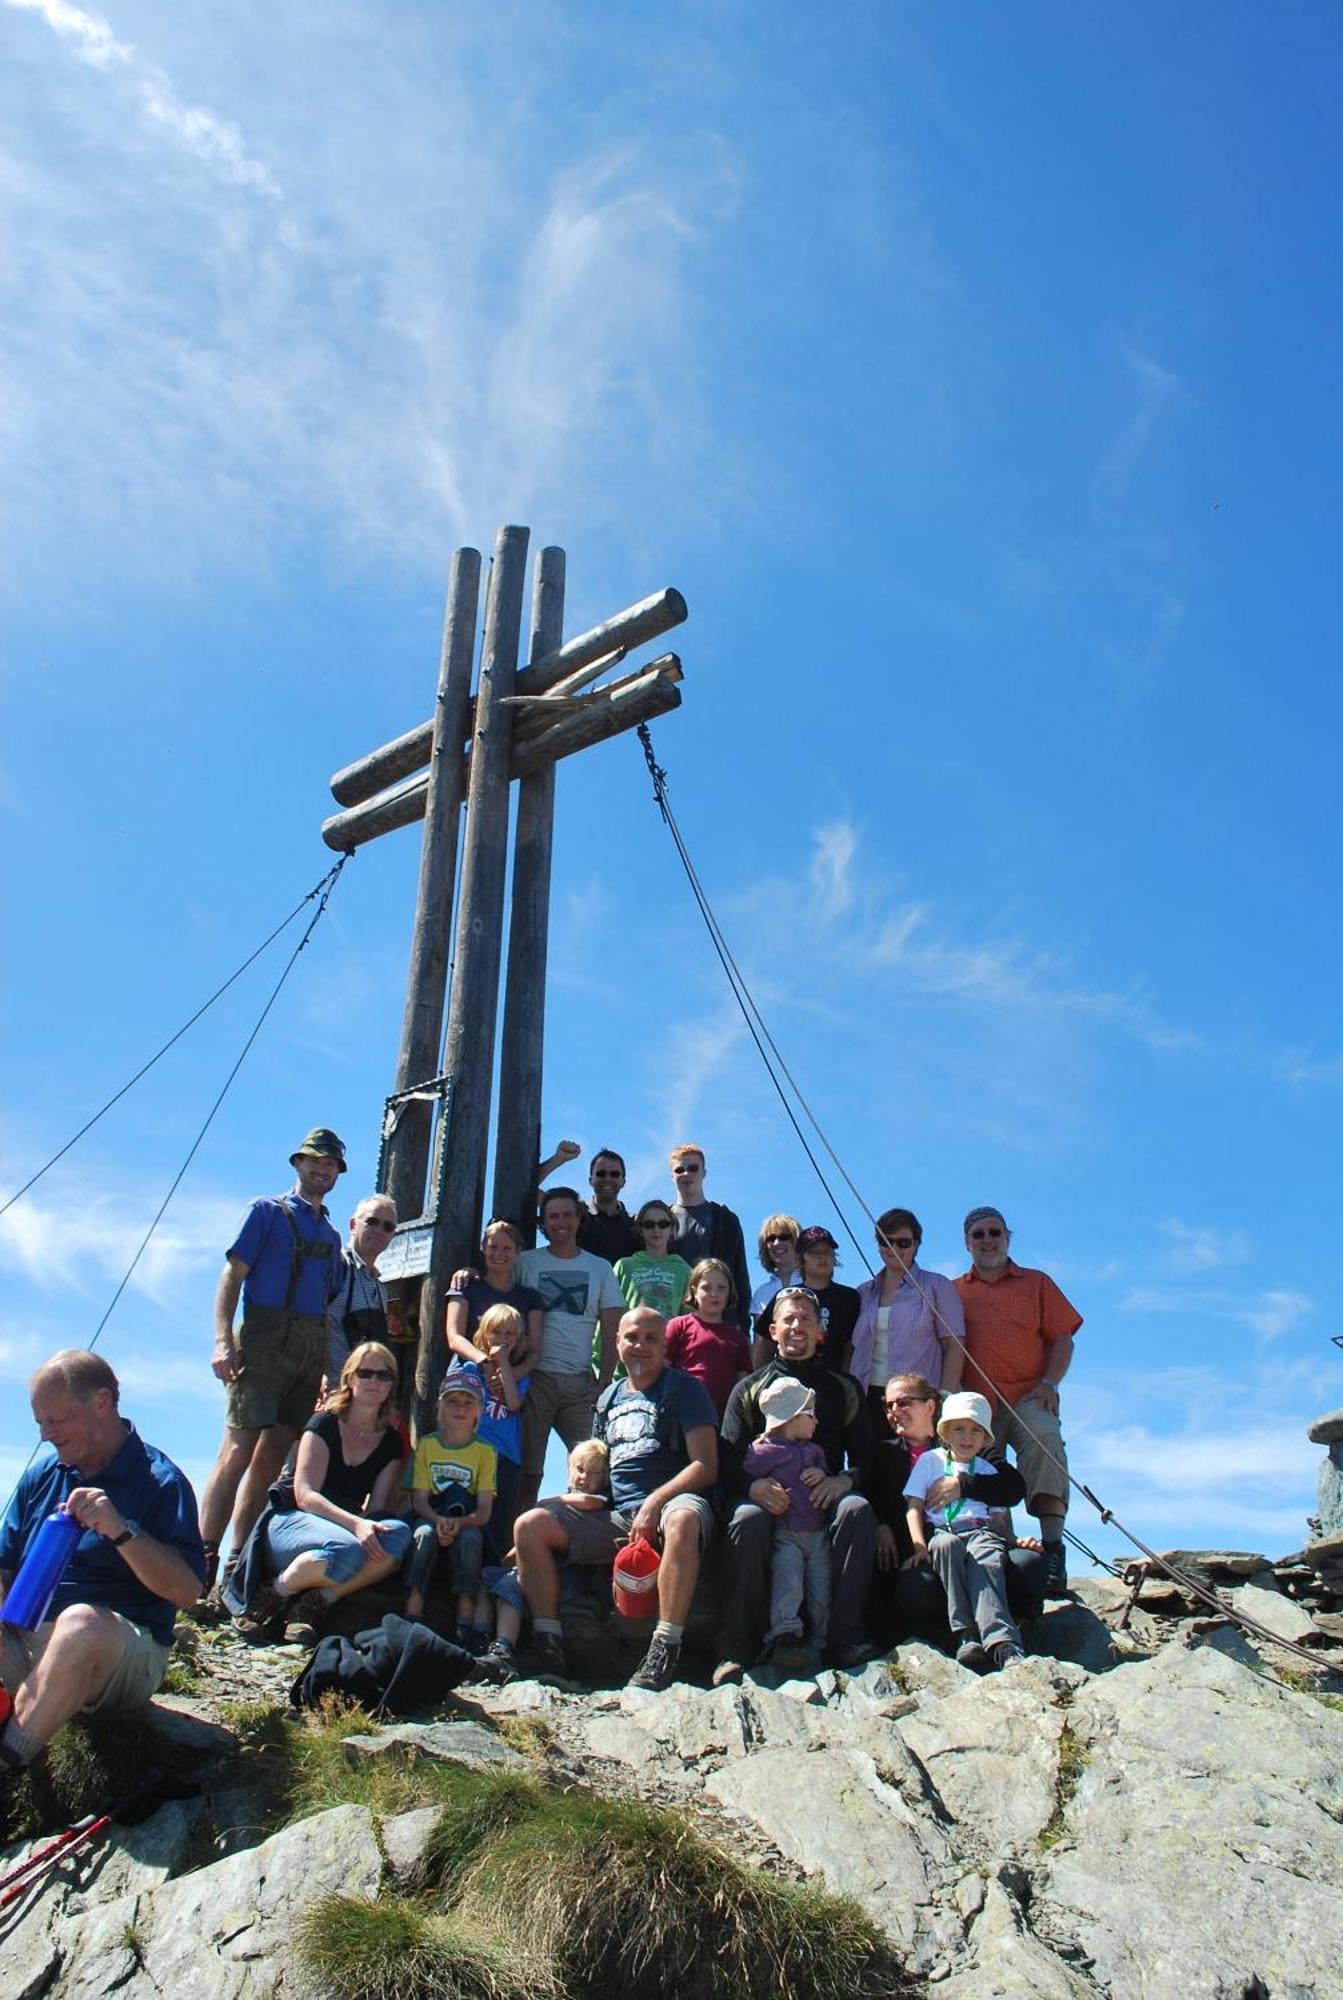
(302, 1534)
(465, 1556)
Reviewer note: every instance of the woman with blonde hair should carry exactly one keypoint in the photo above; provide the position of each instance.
(777, 1248)
(330, 1528)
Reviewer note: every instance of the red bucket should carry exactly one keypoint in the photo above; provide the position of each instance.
(634, 1580)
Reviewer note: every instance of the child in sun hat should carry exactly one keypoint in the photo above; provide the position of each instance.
(966, 1551)
(800, 1549)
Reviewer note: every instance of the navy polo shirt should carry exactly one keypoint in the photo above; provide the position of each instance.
(144, 1487)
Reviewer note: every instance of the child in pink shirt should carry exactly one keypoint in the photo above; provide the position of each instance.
(704, 1342)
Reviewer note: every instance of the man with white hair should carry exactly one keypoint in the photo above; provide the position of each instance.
(105, 1642)
(358, 1312)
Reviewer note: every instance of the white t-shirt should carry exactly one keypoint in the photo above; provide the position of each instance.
(575, 1290)
(937, 1463)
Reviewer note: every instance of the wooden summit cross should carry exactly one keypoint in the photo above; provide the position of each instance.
(519, 725)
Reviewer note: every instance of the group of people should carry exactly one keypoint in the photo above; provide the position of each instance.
(845, 1447)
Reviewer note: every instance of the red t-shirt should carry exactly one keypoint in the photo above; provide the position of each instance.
(714, 1351)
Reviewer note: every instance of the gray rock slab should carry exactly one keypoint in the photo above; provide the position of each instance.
(927, 1674)
(874, 1690)
(1216, 1564)
(991, 1755)
(223, 1932)
(1329, 1493)
(405, 1837)
(1101, 1593)
(838, 1817)
(176, 1722)
(468, 1743)
(1009, 1963)
(1072, 1631)
(1283, 1617)
(1327, 1429)
(1211, 1805)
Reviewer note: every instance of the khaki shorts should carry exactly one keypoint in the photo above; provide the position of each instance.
(596, 1533)
(137, 1677)
(1036, 1440)
(555, 1402)
(282, 1356)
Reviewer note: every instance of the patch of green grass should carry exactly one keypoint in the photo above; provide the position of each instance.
(1304, 1684)
(1073, 1760)
(403, 1950)
(624, 1898)
(530, 1735)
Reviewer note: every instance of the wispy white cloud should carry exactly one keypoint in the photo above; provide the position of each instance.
(834, 849)
(212, 139)
(83, 1242)
(1268, 1313)
(393, 312)
(1203, 1247)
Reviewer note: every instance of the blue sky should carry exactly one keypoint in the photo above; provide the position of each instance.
(971, 370)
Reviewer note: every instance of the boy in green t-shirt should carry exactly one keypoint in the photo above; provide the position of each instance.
(451, 1482)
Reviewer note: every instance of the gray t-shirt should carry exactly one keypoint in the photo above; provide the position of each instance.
(575, 1290)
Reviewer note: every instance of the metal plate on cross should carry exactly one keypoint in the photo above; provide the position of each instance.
(407, 1255)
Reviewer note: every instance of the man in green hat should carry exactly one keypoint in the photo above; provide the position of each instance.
(284, 1264)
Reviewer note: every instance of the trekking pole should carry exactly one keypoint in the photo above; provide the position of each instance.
(19, 1880)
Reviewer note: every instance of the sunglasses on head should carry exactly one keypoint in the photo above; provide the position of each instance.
(374, 1375)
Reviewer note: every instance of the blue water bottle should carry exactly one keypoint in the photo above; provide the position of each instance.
(40, 1571)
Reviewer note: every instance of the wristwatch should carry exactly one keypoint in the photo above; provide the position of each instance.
(128, 1534)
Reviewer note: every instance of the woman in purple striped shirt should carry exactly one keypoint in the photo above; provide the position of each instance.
(909, 1320)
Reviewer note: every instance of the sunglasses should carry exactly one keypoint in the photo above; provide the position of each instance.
(895, 1243)
(607, 1174)
(374, 1375)
(784, 1238)
(656, 1222)
(797, 1292)
(978, 1235)
(379, 1222)
(905, 1402)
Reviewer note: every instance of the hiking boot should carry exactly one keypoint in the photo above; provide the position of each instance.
(211, 1608)
(303, 1616)
(262, 1613)
(496, 1666)
(1055, 1570)
(970, 1653)
(849, 1658)
(657, 1669)
(547, 1657)
(793, 1658)
(727, 1672)
(1005, 1654)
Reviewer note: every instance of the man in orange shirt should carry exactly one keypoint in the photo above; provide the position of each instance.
(1019, 1341)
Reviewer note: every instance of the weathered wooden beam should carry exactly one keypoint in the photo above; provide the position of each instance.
(638, 698)
(517, 1132)
(649, 691)
(626, 630)
(406, 1157)
(468, 1058)
(383, 767)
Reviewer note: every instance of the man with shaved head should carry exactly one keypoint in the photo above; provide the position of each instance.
(104, 1644)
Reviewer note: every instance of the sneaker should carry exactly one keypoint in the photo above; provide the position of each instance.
(727, 1672)
(657, 1669)
(1056, 1570)
(970, 1653)
(304, 1615)
(1005, 1654)
(547, 1660)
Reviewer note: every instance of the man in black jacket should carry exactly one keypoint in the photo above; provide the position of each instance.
(844, 1433)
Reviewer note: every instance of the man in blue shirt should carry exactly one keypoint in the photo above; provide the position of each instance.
(659, 1426)
(109, 1627)
(285, 1265)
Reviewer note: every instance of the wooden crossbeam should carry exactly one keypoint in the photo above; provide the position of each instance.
(556, 670)
(640, 696)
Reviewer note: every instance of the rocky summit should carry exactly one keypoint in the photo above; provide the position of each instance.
(1144, 1807)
